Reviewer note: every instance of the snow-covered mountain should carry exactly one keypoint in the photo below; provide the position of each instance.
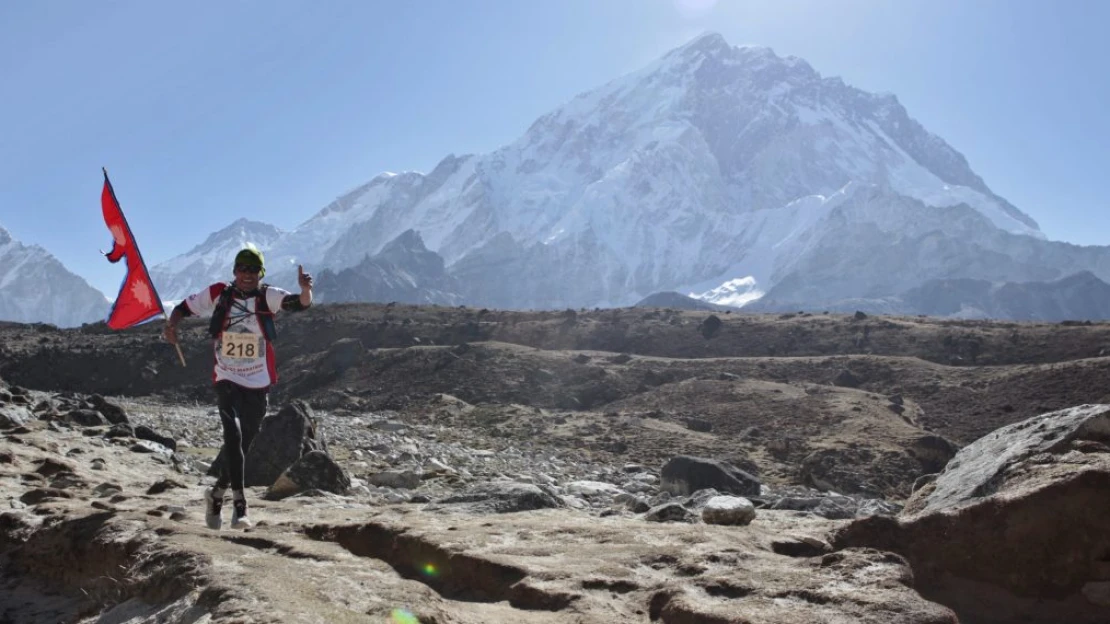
(1081, 296)
(36, 288)
(719, 171)
(213, 260)
(875, 244)
(405, 272)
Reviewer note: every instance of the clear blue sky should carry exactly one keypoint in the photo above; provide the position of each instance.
(205, 112)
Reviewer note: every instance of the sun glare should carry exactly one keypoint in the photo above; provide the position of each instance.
(694, 8)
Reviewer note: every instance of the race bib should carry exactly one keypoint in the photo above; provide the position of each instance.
(241, 346)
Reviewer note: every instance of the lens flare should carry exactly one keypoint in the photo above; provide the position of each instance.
(430, 569)
(403, 616)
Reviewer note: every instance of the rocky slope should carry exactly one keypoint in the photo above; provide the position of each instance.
(519, 466)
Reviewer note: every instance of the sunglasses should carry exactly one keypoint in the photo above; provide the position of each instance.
(248, 268)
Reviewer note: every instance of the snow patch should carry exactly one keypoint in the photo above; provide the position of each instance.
(737, 293)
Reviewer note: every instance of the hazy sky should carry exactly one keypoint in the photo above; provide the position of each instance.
(205, 112)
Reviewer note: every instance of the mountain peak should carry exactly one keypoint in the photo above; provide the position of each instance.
(36, 288)
(706, 42)
(409, 241)
(242, 229)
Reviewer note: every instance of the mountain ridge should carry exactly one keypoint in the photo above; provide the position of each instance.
(712, 165)
(35, 287)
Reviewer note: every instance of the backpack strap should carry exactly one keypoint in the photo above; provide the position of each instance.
(265, 315)
(219, 315)
(217, 323)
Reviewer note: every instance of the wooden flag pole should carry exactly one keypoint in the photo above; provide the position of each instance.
(180, 355)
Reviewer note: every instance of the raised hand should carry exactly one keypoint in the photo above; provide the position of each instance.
(304, 279)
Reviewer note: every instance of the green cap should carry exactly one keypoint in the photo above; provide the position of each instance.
(250, 256)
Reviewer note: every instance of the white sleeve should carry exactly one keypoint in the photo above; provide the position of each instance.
(274, 295)
(202, 303)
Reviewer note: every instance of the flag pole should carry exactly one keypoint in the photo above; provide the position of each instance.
(130, 236)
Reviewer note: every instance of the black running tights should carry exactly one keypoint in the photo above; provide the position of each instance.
(241, 412)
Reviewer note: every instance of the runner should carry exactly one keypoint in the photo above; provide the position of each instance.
(242, 327)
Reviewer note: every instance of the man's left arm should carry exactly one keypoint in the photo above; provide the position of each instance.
(304, 280)
(295, 303)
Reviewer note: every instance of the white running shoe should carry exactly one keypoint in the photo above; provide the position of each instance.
(239, 519)
(213, 508)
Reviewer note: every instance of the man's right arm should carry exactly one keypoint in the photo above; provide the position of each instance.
(201, 304)
(179, 312)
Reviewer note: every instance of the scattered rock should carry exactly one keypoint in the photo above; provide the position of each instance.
(699, 424)
(400, 479)
(730, 510)
(85, 418)
(684, 474)
(164, 485)
(14, 416)
(146, 433)
(505, 497)
(112, 412)
(801, 547)
(670, 512)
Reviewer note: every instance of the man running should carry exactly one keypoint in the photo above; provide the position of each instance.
(241, 324)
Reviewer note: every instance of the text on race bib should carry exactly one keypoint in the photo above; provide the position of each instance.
(241, 346)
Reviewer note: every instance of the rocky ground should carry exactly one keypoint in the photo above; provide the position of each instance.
(443, 416)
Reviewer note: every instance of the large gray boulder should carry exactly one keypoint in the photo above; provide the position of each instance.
(980, 469)
(684, 475)
(1016, 528)
(283, 439)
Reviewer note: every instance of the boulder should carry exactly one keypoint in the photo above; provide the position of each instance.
(981, 468)
(143, 432)
(112, 412)
(684, 474)
(1016, 527)
(314, 471)
(731, 510)
(282, 439)
(710, 326)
